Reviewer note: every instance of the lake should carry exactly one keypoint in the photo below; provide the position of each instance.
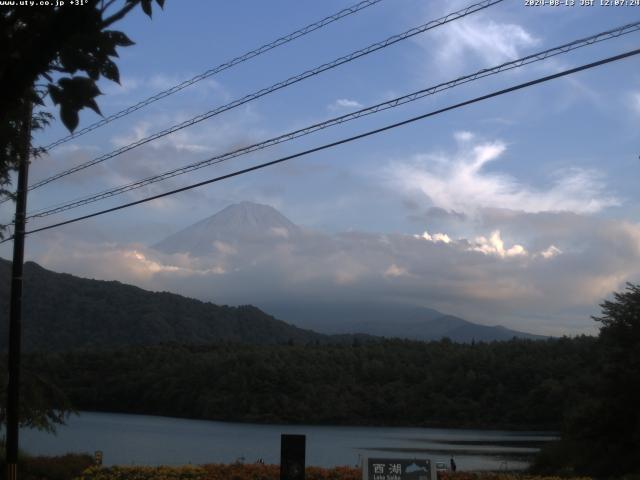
(149, 440)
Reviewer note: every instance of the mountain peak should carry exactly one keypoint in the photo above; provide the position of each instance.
(250, 214)
(239, 221)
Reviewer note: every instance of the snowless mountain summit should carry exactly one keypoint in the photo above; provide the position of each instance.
(244, 221)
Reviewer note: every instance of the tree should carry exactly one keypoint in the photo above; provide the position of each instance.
(601, 436)
(612, 441)
(44, 405)
(60, 52)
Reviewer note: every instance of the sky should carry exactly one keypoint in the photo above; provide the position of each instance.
(522, 210)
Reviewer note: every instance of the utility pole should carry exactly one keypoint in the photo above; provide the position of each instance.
(15, 308)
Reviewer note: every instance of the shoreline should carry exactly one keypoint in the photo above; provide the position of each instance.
(548, 432)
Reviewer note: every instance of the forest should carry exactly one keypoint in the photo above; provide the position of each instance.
(588, 388)
(64, 312)
(520, 383)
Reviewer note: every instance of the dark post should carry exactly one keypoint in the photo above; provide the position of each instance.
(292, 457)
(15, 308)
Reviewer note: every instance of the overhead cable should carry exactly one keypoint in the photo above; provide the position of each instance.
(277, 86)
(344, 140)
(213, 71)
(535, 57)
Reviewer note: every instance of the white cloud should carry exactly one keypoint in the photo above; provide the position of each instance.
(481, 38)
(435, 238)
(344, 104)
(146, 265)
(460, 182)
(551, 252)
(494, 245)
(463, 136)
(491, 245)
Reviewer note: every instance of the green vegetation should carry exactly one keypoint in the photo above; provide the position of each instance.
(63, 312)
(43, 405)
(601, 430)
(520, 383)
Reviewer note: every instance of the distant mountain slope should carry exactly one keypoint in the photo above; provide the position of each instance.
(392, 320)
(62, 311)
(238, 223)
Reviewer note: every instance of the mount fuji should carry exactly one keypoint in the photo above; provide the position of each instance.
(253, 233)
(237, 223)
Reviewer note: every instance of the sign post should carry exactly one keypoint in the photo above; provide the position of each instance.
(292, 457)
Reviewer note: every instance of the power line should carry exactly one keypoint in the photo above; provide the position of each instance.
(277, 86)
(345, 140)
(215, 70)
(536, 57)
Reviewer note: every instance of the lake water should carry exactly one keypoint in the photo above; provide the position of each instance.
(149, 440)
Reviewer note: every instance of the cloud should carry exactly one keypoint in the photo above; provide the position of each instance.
(128, 262)
(202, 141)
(491, 245)
(395, 271)
(479, 38)
(494, 245)
(539, 272)
(159, 82)
(551, 252)
(435, 238)
(461, 182)
(493, 42)
(345, 104)
(463, 136)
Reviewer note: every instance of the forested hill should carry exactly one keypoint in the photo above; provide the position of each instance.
(520, 383)
(64, 312)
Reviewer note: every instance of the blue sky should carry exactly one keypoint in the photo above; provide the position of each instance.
(534, 194)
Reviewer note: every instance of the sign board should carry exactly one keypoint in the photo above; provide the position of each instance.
(398, 469)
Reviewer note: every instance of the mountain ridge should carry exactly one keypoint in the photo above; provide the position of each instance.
(62, 311)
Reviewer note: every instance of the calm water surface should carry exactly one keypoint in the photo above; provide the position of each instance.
(148, 440)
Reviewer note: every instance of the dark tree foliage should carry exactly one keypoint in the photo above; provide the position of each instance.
(601, 435)
(63, 312)
(61, 52)
(608, 428)
(520, 383)
(43, 404)
(57, 51)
